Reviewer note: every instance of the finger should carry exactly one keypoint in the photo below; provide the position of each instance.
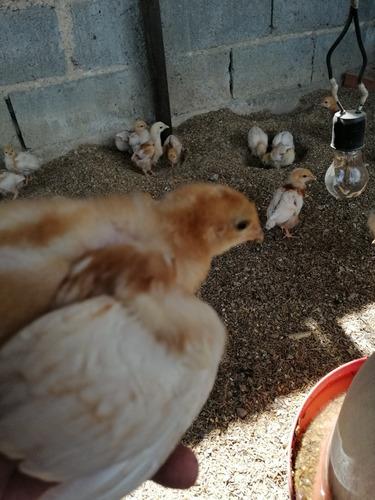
(6, 470)
(22, 487)
(180, 470)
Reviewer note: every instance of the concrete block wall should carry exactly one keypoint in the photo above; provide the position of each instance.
(255, 54)
(76, 70)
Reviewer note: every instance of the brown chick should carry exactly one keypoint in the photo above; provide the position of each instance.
(174, 150)
(45, 244)
(329, 102)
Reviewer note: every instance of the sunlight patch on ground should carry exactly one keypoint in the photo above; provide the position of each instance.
(359, 326)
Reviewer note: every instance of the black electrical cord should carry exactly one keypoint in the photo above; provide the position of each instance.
(353, 16)
(360, 44)
(337, 41)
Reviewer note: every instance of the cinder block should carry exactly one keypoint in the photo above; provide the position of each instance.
(198, 82)
(30, 45)
(107, 32)
(7, 131)
(346, 56)
(271, 66)
(295, 16)
(192, 24)
(81, 110)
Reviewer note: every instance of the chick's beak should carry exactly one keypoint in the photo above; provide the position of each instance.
(258, 235)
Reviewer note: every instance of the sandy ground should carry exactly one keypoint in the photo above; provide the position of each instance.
(295, 309)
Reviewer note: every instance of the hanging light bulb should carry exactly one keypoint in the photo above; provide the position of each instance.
(347, 176)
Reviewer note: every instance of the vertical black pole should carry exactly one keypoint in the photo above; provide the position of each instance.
(153, 32)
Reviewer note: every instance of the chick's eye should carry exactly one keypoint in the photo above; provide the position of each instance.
(304, 176)
(242, 225)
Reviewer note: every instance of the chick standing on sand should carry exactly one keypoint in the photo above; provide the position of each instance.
(11, 183)
(147, 155)
(257, 141)
(130, 140)
(287, 202)
(23, 163)
(174, 150)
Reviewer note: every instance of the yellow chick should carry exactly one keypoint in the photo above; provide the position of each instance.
(23, 163)
(287, 202)
(140, 135)
(257, 141)
(123, 356)
(147, 155)
(130, 140)
(46, 237)
(330, 103)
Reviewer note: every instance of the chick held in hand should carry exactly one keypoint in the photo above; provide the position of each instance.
(122, 356)
(174, 151)
(257, 141)
(45, 237)
(23, 163)
(11, 183)
(287, 202)
(147, 155)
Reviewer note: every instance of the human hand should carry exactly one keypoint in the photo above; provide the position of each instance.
(179, 471)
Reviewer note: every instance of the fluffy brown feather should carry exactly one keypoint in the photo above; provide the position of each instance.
(128, 239)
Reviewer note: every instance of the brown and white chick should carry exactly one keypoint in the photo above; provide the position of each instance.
(129, 140)
(11, 183)
(330, 103)
(257, 141)
(45, 237)
(123, 356)
(140, 135)
(287, 202)
(23, 163)
(371, 225)
(147, 155)
(174, 150)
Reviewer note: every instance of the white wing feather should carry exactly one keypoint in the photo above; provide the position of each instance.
(284, 206)
(285, 138)
(122, 140)
(90, 398)
(175, 142)
(255, 136)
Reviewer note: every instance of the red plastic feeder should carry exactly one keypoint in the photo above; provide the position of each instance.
(329, 387)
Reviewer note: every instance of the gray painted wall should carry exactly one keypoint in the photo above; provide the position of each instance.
(76, 70)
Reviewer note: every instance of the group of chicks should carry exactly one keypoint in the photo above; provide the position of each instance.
(146, 148)
(19, 169)
(282, 152)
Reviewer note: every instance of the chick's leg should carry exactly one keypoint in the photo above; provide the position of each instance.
(15, 194)
(287, 233)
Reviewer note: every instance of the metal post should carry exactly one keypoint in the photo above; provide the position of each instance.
(153, 33)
